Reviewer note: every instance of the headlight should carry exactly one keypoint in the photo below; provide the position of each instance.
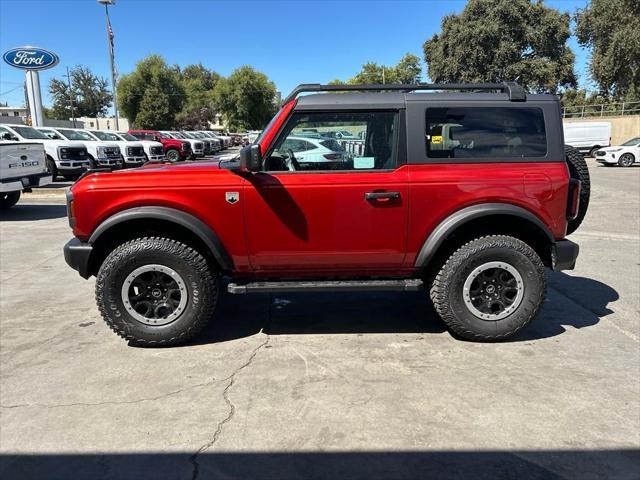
(64, 150)
(100, 151)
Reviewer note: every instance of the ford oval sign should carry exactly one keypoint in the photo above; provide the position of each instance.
(31, 58)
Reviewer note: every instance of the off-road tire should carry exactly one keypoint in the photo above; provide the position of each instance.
(198, 275)
(626, 156)
(9, 199)
(447, 288)
(173, 155)
(579, 170)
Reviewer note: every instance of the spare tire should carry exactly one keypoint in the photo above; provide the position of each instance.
(578, 169)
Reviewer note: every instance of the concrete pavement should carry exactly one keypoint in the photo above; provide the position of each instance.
(323, 385)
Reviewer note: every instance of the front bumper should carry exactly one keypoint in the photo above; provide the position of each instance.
(108, 162)
(564, 254)
(134, 161)
(609, 157)
(28, 181)
(77, 254)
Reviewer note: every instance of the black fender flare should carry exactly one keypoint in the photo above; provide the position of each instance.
(178, 217)
(459, 218)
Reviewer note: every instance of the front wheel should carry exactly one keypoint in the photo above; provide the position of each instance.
(489, 288)
(156, 291)
(173, 155)
(9, 199)
(626, 160)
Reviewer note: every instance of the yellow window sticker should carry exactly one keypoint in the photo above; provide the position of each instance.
(436, 139)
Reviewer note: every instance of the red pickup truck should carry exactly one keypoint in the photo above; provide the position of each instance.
(467, 195)
(175, 150)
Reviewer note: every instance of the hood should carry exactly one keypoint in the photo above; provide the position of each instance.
(59, 143)
(149, 143)
(612, 148)
(152, 175)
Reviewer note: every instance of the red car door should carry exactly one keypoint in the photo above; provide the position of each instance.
(347, 213)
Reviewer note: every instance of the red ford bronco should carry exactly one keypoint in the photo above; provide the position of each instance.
(467, 191)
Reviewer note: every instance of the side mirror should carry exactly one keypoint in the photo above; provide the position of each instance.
(251, 158)
(7, 136)
(157, 138)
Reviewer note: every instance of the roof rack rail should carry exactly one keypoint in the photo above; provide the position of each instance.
(515, 92)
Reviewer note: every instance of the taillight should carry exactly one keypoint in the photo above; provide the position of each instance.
(332, 156)
(573, 202)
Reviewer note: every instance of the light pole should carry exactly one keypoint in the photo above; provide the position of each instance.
(73, 115)
(106, 4)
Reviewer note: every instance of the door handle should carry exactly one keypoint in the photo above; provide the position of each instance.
(381, 195)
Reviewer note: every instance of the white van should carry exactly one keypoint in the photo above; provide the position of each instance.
(587, 136)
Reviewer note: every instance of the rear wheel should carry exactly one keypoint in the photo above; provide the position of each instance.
(579, 170)
(156, 291)
(626, 160)
(489, 288)
(9, 199)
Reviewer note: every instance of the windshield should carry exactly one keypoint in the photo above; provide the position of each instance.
(178, 135)
(128, 137)
(106, 136)
(188, 135)
(30, 133)
(631, 143)
(76, 135)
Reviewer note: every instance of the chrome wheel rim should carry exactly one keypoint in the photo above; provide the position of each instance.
(154, 294)
(493, 291)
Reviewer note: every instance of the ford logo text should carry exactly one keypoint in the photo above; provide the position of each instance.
(30, 58)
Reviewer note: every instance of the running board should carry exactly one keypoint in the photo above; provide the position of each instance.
(411, 285)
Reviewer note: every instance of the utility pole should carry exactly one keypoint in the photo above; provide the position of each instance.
(73, 114)
(106, 4)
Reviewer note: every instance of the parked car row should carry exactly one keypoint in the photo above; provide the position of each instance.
(69, 152)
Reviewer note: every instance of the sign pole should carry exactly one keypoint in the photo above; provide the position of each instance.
(35, 98)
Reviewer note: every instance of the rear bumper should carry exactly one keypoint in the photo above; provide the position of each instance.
(564, 254)
(77, 254)
(28, 181)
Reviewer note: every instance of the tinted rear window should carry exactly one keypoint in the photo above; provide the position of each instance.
(485, 132)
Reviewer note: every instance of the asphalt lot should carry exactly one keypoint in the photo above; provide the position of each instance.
(323, 385)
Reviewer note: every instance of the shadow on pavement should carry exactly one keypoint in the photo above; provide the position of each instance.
(29, 212)
(521, 465)
(241, 316)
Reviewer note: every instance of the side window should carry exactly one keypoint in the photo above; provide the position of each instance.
(367, 141)
(485, 132)
(5, 134)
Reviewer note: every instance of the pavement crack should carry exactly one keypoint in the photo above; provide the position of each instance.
(232, 410)
(111, 402)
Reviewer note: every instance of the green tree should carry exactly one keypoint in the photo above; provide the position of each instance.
(199, 108)
(90, 93)
(155, 109)
(407, 70)
(501, 40)
(246, 99)
(611, 29)
(152, 95)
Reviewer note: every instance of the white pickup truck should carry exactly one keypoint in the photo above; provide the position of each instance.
(101, 154)
(22, 166)
(133, 152)
(69, 159)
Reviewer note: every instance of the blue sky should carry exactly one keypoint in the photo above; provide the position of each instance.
(290, 41)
